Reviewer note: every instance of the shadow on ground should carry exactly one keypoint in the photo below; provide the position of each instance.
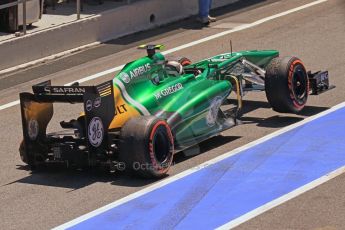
(59, 176)
(203, 147)
(277, 121)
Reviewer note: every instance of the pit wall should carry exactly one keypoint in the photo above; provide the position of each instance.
(125, 20)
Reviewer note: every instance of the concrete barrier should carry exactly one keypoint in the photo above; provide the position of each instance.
(138, 16)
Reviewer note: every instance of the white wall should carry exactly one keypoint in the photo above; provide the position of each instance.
(105, 26)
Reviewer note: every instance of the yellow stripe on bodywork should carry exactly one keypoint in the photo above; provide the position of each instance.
(121, 116)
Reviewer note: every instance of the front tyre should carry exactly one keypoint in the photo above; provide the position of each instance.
(147, 146)
(286, 84)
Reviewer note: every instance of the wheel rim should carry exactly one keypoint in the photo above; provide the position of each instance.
(300, 84)
(161, 146)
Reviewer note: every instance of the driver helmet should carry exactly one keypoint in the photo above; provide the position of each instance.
(174, 68)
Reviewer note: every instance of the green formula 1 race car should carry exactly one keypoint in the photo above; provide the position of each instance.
(155, 107)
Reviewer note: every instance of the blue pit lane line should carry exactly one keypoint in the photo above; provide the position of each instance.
(236, 185)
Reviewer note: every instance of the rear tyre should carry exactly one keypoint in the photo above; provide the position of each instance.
(147, 146)
(286, 84)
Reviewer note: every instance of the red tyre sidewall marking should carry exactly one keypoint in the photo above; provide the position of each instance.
(290, 77)
(155, 164)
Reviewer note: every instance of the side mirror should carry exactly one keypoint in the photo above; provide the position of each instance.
(155, 79)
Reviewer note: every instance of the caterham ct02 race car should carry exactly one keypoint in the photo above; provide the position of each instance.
(155, 107)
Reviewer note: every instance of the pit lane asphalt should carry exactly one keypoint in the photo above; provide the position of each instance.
(51, 197)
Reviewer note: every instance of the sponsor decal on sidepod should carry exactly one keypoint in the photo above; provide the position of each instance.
(126, 78)
(212, 114)
(170, 90)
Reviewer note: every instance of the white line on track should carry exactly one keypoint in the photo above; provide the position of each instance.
(215, 160)
(234, 223)
(218, 35)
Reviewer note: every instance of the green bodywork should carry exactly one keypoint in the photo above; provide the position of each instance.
(190, 103)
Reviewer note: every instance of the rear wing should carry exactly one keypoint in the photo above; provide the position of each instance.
(45, 92)
(37, 110)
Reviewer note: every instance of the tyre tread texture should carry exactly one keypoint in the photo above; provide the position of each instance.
(134, 141)
(276, 85)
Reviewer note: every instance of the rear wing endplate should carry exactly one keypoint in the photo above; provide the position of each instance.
(37, 111)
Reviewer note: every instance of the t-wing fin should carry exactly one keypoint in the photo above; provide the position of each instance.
(151, 49)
